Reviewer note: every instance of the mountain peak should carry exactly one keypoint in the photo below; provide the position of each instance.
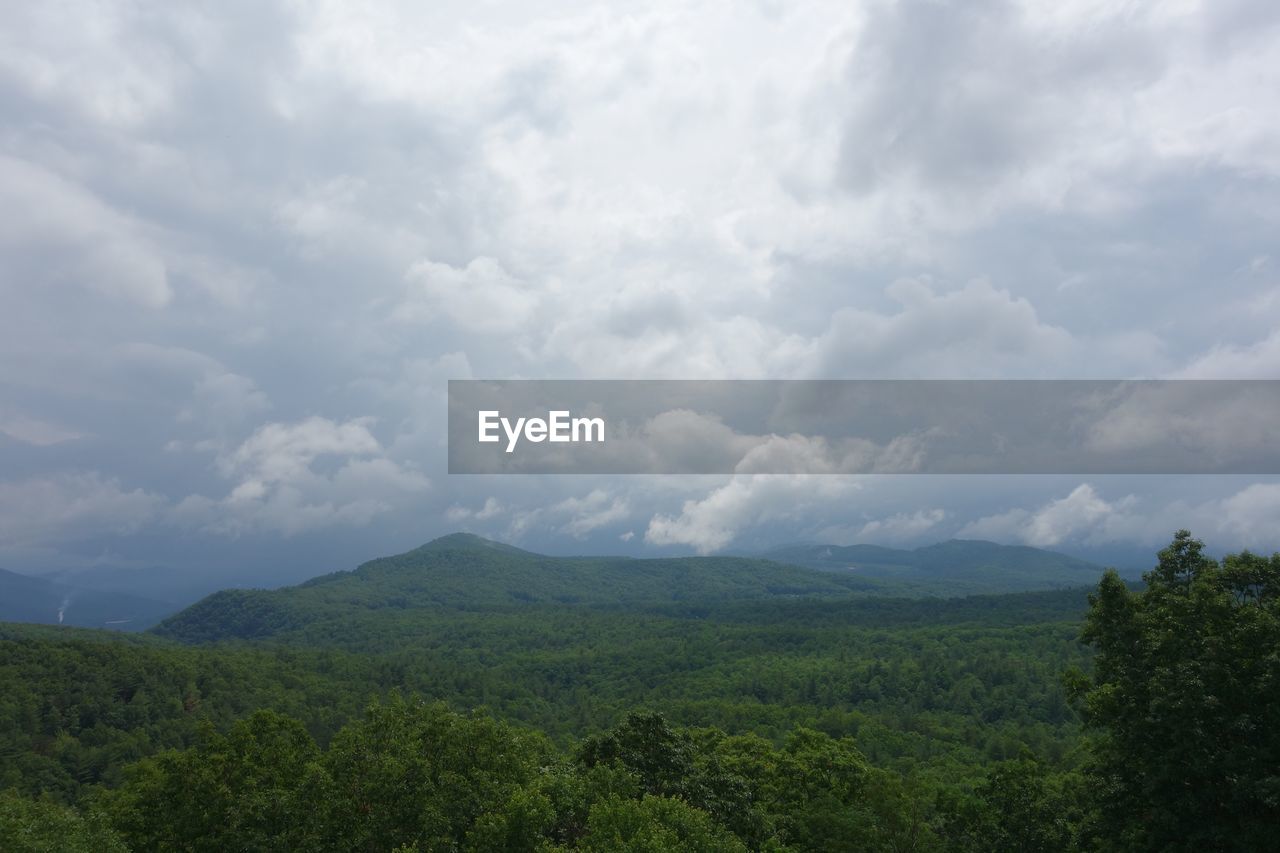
(469, 542)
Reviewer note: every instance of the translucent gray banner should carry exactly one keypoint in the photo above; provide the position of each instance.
(864, 427)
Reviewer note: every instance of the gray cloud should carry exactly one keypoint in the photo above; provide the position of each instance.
(233, 222)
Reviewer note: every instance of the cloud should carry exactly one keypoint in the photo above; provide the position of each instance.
(293, 477)
(1223, 424)
(280, 452)
(108, 74)
(237, 217)
(69, 237)
(902, 527)
(1083, 515)
(1249, 516)
(978, 96)
(573, 516)
(71, 506)
(713, 522)
(491, 509)
(224, 398)
(32, 430)
(1259, 360)
(978, 330)
(480, 297)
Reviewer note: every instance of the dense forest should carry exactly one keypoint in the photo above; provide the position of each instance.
(467, 696)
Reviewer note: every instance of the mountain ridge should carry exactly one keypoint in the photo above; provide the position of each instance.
(462, 571)
(950, 567)
(39, 600)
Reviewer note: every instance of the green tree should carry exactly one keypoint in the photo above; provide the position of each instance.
(655, 825)
(1018, 808)
(257, 788)
(668, 762)
(1185, 699)
(40, 826)
(416, 773)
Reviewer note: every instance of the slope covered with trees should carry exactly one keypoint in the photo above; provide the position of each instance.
(469, 573)
(772, 722)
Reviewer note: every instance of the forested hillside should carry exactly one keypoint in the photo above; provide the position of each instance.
(463, 572)
(737, 718)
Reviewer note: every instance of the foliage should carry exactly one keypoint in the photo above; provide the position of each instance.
(466, 572)
(946, 684)
(44, 826)
(1185, 696)
(771, 722)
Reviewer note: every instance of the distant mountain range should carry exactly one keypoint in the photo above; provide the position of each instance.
(461, 571)
(465, 572)
(24, 598)
(955, 567)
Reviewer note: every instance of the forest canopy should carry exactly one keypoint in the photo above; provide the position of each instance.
(1128, 718)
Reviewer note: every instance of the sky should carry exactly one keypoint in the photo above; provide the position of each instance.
(247, 243)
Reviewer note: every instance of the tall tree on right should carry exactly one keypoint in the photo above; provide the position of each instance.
(1185, 703)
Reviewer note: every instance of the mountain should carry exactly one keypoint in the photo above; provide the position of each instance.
(955, 567)
(24, 598)
(182, 586)
(465, 572)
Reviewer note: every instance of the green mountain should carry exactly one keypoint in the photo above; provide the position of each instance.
(24, 598)
(955, 567)
(465, 572)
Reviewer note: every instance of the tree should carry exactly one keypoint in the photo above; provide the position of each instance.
(655, 825)
(417, 773)
(667, 762)
(257, 788)
(1185, 701)
(1018, 808)
(41, 826)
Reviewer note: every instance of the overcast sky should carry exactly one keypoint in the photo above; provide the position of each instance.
(245, 244)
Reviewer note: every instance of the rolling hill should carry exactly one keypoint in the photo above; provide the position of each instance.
(955, 567)
(465, 572)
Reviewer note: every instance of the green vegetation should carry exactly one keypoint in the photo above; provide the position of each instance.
(450, 699)
(470, 573)
(1186, 696)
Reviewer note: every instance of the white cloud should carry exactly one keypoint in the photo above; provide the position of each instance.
(71, 506)
(1259, 360)
(283, 452)
(1248, 518)
(902, 527)
(480, 297)
(1081, 516)
(90, 57)
(975, 331)
(714, 521)
(573, 516)
(281, 485)
(491, 509)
